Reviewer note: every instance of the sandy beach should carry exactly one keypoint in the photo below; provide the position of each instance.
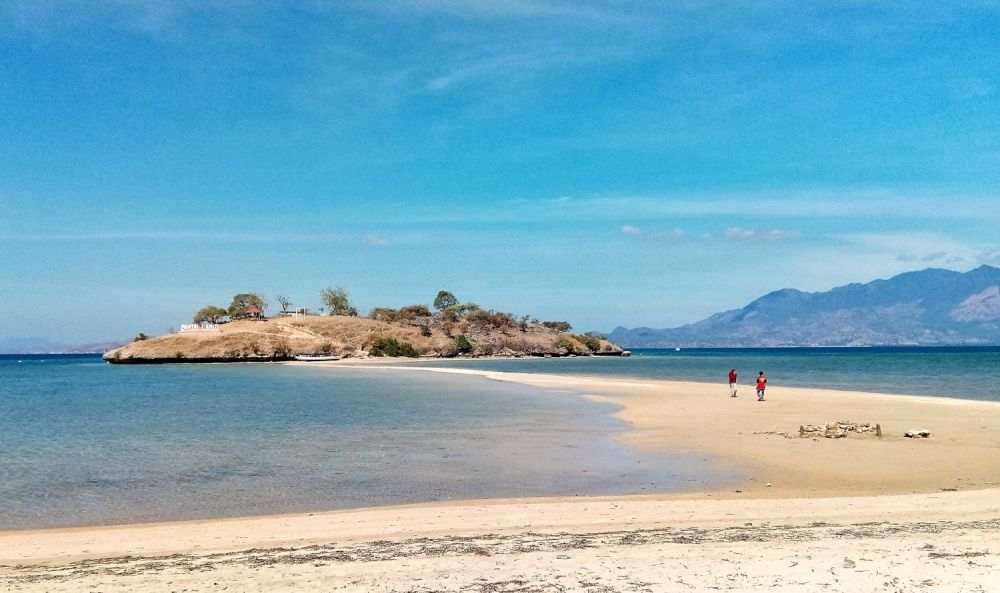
(860, 513)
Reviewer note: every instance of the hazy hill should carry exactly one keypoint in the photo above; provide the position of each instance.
(43, 346)
(929, 307)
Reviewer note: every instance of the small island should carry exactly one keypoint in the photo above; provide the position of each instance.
(243, 333)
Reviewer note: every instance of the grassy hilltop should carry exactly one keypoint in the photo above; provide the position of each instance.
(455, 330)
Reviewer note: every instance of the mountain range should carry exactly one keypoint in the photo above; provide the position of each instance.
(923, 308)
(44, 346)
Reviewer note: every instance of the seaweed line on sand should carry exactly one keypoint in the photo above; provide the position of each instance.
(482, 545)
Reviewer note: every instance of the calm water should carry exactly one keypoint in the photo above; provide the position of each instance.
(967, 373)
(85, 442)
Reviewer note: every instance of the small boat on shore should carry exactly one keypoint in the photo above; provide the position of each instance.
(317, 357)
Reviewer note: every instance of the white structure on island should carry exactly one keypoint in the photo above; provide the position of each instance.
(200, 327)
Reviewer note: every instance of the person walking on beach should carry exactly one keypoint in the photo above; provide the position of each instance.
(732, 382)
(761, 385)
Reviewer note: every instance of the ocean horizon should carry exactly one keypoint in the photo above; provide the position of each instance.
(963, 372)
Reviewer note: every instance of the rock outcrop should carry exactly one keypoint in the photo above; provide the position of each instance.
(282, 338)
(839, 429)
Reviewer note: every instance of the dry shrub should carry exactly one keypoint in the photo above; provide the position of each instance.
(567, 342)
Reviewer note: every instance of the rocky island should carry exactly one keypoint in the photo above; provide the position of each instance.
(242, 333)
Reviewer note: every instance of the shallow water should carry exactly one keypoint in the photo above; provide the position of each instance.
(84, 442)
(961, 372)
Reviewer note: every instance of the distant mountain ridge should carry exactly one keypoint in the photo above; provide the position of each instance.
(44, 346)
(923, 308)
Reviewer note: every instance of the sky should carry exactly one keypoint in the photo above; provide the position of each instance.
(605, 162)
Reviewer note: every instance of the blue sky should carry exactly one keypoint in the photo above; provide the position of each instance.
(608, 162)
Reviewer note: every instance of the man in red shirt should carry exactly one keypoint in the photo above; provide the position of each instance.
(761, 385)
(732, 382)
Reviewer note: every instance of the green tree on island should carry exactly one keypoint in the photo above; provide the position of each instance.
(390, 346)
(444, 299)
(462, 344)
(243, 301)
(210, 314)
(337, 302)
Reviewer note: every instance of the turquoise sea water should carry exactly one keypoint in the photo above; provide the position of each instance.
(83, 442)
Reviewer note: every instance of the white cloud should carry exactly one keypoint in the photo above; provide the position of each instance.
(670, 235)
(739, 233)
(742, 234)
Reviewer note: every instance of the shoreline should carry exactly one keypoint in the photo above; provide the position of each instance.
(836, 544)
(861, 497)
(760, 440)
(462, 518)
(636, 405)
(414, 363)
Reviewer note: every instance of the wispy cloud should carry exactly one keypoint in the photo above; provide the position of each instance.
(668, 235)
(505, 65)
(477, 9)
(487, 67)
(819, 203)
(177, 235)
(742, 234)
(377, 241)
(974, 88)
(917, 248)
(152, 17)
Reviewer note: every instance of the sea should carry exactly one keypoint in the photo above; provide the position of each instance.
(83, 442)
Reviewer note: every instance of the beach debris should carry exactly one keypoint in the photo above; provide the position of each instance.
(775, 432)
(839, 429)
(917, 433)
